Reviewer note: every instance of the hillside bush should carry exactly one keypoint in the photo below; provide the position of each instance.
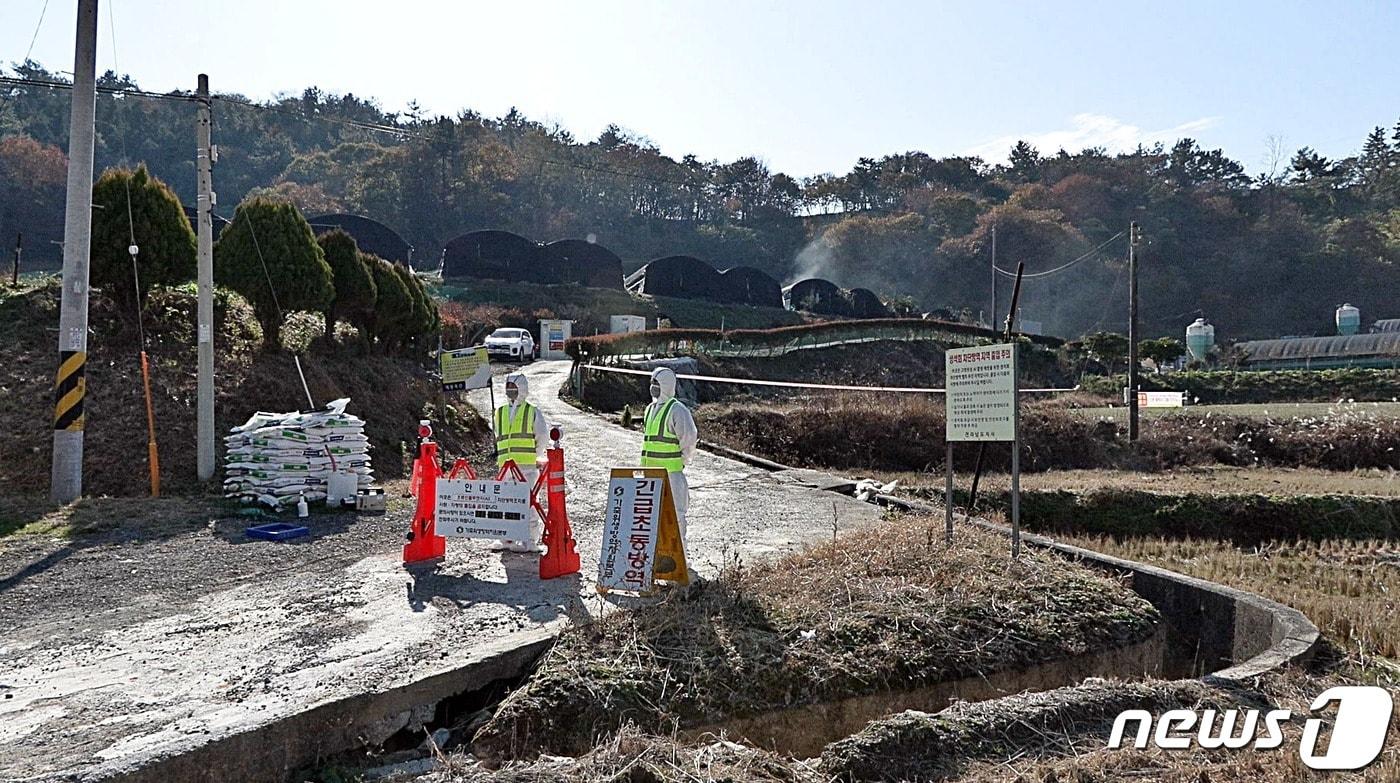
(424, 319)
(300, 330)
(393, 307)
(1212, 387)
(166, 243)
(273, 232)
(352, 279)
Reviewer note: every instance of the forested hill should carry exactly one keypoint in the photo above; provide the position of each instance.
(1259, 256)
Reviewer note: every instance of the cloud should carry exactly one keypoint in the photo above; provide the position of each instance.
(1090, 130)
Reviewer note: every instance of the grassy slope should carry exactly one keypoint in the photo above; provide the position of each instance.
(886, 611)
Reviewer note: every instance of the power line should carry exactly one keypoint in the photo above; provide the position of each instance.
(1063, 267)
(19, 81)
(37, 27)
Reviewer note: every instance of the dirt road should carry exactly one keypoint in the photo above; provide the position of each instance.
(153, 639)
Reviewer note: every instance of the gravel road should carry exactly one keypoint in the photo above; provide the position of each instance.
(150, 640)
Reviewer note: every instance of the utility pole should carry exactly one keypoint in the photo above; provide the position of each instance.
(993, 321)
(204, 205)
(1133, 238)
(70, 383)
(19, 248)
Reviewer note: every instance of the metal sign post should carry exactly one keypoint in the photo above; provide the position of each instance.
(983, 391)
(1015, 450)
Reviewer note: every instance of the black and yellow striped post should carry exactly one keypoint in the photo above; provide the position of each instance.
(70, 385)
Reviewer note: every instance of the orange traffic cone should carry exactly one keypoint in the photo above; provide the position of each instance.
(423, 541)
(562, 555)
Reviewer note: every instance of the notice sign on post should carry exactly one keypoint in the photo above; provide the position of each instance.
(981, 383)
(473, 508)
(1161, 399)
(641, 536)
(464, 368)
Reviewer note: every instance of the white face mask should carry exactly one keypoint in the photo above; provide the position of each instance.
(512, 392)
(656, 391)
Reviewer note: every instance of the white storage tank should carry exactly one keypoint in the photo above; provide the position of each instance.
(622, 324)
(1348, 319)
(1200, 339)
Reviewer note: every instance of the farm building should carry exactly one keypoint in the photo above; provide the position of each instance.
(1380, 349)
(864, 303)
(585, 263)
(683, 277)
(497, 255)
(371, 236)
(815, 295)
(746, 285)
(1386, 325)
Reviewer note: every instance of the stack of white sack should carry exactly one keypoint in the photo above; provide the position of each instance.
(276, 458)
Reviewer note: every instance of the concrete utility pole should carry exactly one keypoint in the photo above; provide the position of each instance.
(1133, 238)
(204, 205)
(70, 384)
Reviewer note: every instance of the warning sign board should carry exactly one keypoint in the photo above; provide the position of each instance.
(1161, 399)
(475, 508)
(981, 395)
(641, 535)
(464, 368)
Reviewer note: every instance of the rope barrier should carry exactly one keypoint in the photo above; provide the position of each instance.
(796, 385)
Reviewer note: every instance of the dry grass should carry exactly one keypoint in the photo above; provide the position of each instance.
(862, 614)
(1350, 589)
(1091, 762)
(853, 432)
(632, 755)
(1208, 480)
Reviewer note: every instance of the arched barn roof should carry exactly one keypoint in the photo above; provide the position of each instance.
(586, 263)
(816, 295)
(866, 304)
(371, 235)
(746, 285)
(684, 277)
(498, 255)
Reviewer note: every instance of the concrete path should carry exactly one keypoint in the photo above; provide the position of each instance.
(141, 645)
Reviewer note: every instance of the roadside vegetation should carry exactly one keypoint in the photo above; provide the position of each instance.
(878, 611)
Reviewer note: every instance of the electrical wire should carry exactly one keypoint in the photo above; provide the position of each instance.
(37, 27)
(1062, 267)
(20, 81)
(152, 451)
(277, 305)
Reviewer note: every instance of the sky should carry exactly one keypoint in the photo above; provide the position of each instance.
(808, 87)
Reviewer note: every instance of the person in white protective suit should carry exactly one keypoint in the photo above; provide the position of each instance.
(523, 436)
(669, 437)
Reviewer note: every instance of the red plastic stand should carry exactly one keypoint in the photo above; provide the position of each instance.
(562, 555)
(423, 541)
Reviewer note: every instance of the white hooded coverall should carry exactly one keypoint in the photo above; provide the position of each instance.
(530, 471)
(682, 424)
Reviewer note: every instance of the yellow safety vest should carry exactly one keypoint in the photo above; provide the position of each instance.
(515, 439)
(660, 446)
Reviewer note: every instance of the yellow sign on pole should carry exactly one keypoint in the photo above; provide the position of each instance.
(464, 368)
(641, 533)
